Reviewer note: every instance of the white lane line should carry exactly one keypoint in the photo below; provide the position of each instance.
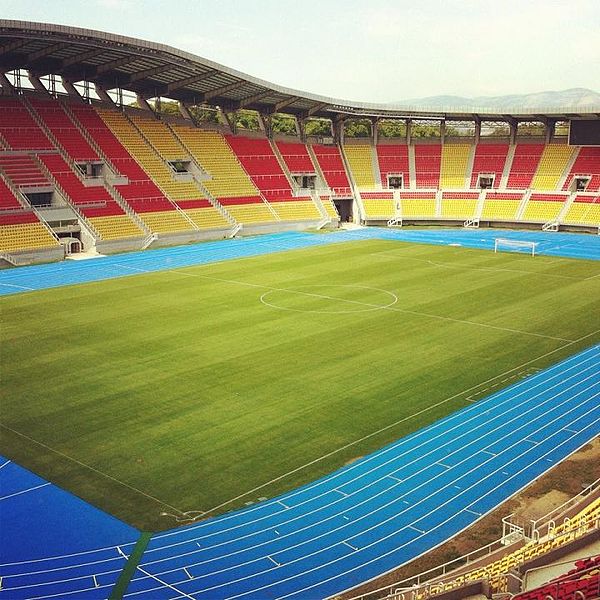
(462, 424)
(390, 518)
(212, 572)
(31, 489)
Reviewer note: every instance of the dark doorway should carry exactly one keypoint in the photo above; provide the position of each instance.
(344, 208)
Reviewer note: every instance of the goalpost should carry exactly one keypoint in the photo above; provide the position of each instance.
(506, 245)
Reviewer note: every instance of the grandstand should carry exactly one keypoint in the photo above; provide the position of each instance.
(274, 412)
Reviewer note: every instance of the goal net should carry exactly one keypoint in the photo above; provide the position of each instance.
(506, 245)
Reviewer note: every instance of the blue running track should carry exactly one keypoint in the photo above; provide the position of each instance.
(39, 520)
(325, 537)
(387, 508)
(38, 277)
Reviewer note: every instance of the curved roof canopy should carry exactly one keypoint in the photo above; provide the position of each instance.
(153, 70)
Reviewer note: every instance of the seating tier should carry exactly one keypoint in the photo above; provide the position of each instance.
(332, 167)
(296, 157)
(64, 130)
(524, 165)
(454, 164)
(428, 159)
(553, 164)
(489, 159)
(393, 160)
(360, 161)
(259, 161)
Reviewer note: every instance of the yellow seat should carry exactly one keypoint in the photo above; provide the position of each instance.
(453, 168)
(361, 161)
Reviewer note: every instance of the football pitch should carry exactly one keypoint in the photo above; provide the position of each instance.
(201, 389)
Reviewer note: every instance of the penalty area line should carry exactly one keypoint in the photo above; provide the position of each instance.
(86, 466)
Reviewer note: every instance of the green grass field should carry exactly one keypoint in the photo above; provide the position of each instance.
(182, 390)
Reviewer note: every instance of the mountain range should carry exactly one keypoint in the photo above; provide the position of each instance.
(574, 98)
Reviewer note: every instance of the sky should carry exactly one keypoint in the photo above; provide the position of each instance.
(363, 50)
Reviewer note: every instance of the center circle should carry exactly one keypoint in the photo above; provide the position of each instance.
(329, 299)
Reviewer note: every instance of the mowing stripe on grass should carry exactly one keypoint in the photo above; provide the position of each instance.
(130, 566)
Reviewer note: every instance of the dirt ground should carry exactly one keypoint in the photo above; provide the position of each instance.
(564, 481)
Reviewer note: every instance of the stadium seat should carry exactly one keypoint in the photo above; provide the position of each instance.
(544, 207)
(501, 206)
(378, 205)
(489, 159)
(19, 129)
(552, 166)
(361, 162)
(418, 205)
(332, 167)
(585, 210)
(428, 159)
(454, 164)
(64, 130)
(459, 205)
(393, 160)
(587, 163)
(296, 157)
(524, 165)
(259, 161)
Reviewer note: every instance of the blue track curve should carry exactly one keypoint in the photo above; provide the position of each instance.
(388, 507)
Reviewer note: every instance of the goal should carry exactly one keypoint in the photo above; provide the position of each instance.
(506, 245)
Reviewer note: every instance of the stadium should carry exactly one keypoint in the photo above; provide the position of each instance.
(263, 343)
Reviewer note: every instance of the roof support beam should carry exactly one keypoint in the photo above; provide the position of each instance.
(80, 58)
(12, 46)
(6, 84)
(180, 83)
(113, 64)
(316, 108)
(223, 90)
(144, 74)
(281, 105)
(252, 99)
(45, 51)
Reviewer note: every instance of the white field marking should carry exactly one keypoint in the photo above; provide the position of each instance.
(31, 489)
(165, 584)
(369, 308)
(461, 424)
(86, 552)
(592, 277)
(82, 464)
(95, 581)
(121, 266)
(377, 306)
(350, 546)
(4, 464)
(378, 541)
(213, 572)
(471, 268)
(274, 561)
(180, 555)
(395, 446)
(394, 500)
(21, 287)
